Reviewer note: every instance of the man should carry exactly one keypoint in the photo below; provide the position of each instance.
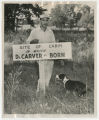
(43, 35)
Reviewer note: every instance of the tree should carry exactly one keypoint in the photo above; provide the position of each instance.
(57, 17)
(13, 10)
(64, 14)
(9, 15)
(86, 17)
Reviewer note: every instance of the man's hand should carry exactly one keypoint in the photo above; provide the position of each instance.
(35, 41)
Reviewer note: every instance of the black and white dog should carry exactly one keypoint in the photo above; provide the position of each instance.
(76, 87)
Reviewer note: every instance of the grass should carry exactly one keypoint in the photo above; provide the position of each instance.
(56, 100)
(20, 79)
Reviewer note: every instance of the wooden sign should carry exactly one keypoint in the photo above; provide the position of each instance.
(43, 51)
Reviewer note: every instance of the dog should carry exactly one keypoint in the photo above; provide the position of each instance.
(76, 87)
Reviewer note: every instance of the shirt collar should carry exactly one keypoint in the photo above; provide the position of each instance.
(42, 30)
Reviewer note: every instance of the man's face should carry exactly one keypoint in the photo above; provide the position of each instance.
(44, 22)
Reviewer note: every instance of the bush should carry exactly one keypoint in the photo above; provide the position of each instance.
(82, 44)
(18, 37)
(10, 39)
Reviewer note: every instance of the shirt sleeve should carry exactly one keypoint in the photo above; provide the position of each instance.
(52, 37)
(31, 36)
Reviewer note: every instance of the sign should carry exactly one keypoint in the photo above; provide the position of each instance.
(43, 51)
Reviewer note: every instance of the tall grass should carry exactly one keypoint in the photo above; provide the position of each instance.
(11, 84)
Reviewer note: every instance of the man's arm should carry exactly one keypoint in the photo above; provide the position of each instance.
(52, 37)
(31, 37)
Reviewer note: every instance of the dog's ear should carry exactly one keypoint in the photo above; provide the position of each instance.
(66, 75)
(57, 76)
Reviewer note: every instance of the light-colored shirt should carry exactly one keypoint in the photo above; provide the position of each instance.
(43, 36)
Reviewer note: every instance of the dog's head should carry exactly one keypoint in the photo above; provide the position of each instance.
(62, 77)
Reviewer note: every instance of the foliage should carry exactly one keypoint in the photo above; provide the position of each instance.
(10, 39)
(10, 14)
(13, 10)
(58, 17)
(65, 15)
(87, 18)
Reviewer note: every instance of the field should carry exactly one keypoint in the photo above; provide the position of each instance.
(20, 79)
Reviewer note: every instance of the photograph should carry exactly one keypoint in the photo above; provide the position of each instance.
(49, 58)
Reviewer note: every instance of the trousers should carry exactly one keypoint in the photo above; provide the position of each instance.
(45, 72)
